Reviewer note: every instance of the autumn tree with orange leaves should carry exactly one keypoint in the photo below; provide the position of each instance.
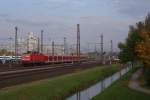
(143, 48)
(137, 46)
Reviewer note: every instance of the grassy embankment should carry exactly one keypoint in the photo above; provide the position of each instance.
(55, 88)
(120, 91)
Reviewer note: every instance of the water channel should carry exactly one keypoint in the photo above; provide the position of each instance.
(97, 88)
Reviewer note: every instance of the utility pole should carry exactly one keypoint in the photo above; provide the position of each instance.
(11, 51)
(10, 39)
(38, 45)
(53, 48)
(88, 44)
(65, 46)
(95, 51)
(89, 56)
(102, 59)
(49, 43)
(95, 48)
(42, 41)
(16, 43)
(27, 45)
(78, 40)
(111, 51)
(111, 48)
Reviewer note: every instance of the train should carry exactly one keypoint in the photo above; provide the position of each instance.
(39, 58)
(6, 59)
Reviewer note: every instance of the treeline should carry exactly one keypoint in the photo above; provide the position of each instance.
(5, 52)
(137, 46)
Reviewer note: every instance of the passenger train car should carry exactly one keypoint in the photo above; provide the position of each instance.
(6, 59)
(36, 58)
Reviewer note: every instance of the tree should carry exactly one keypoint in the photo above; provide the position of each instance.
(143, 48)
(5, 52)
(127, 49)
(137, 46)
(123, 55)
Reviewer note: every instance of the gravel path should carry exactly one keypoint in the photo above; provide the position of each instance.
(135, 84)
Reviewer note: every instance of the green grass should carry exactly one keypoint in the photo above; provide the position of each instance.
(120, 91)
(57, 88)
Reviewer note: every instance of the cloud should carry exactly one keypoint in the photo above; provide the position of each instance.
(132, 8)
(58, 27)
(59, 3)
(58, 18)
(25, 22)
(3, 15)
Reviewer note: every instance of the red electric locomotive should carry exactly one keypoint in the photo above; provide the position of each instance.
(34, 58)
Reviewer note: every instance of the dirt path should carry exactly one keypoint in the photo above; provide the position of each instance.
(135, 84)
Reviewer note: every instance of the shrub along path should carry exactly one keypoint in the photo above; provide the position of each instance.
(120, 91)
(135, 84)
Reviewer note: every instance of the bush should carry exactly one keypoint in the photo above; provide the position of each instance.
(147, 75)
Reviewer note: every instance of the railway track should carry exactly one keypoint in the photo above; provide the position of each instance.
(14, 67)
(14, 77)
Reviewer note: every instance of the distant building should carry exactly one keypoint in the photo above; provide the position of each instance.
(22, 45)
(32, 42)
